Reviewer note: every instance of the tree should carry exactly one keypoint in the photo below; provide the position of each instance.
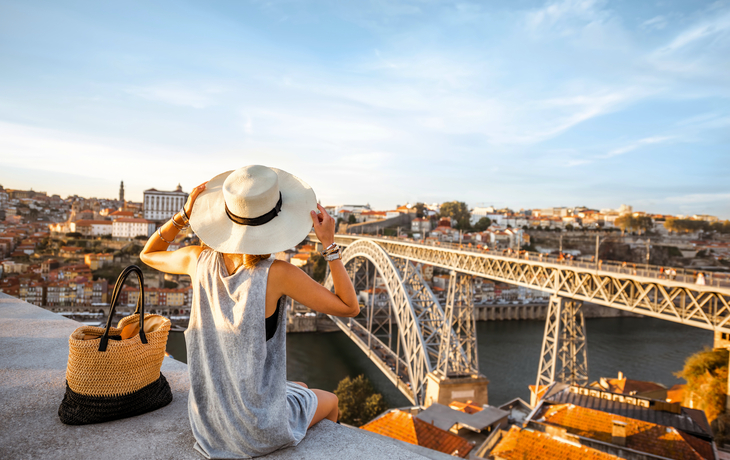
(459, 211)
(420, 209)
(482, 224)
(319, 267)
(74, 235)
(631, 223)
(706, 376)
(352, 219)
(358, 401)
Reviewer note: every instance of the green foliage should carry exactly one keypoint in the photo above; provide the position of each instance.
(141, 237)
(706, 374)
(631, 223)
(420, 209)
(482, 224)
(110, 274)
(692, 225)
(170, 284)
(319, 269)
(133, 248)
(352, 219)
(358, 401)
(673, 251)
(74, 235)
(459, 211)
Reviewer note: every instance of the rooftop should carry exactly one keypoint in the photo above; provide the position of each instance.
(405, 427)
(640, 436)
(32, 383)
(521, 444)
(692, 421)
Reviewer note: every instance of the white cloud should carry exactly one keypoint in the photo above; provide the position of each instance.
(635, 145)
(699, 198)
(716, 25)
(176, 94)
(657, 22)
(566, 14)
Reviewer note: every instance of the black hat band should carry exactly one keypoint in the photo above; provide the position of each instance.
(255, 221)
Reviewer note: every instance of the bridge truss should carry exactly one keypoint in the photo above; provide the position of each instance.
(429, 339)
(398, 293)
(707, 307)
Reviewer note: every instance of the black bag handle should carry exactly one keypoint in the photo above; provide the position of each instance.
(115, 295)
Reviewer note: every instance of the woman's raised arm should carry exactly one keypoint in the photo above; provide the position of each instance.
(293, 282)
(155, 253)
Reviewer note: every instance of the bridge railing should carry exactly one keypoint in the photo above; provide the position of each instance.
(649, 271)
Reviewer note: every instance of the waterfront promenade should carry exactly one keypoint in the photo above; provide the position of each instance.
(33, 357)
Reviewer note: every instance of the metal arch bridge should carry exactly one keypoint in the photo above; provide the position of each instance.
(430, 338)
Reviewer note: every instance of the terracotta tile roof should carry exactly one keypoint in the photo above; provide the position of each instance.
(521, 444)
(676, 393)
(691, 421)
(466, 407)
(404, 427)
(134, 221)
(628, 387)
(641, 436)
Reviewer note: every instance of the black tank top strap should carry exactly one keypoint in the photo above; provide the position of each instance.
(272, 321)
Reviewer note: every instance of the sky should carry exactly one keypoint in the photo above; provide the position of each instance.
(526, 104)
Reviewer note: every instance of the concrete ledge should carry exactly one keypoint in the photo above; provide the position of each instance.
(33, 357)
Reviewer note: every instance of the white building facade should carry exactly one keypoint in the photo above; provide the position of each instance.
(160, 206)
(130, 228)
(92, 227)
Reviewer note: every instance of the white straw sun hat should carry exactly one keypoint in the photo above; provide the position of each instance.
(253, 210)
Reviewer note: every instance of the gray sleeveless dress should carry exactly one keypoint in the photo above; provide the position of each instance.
(240, 404)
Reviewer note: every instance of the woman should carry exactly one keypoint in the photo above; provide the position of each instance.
(240, 403)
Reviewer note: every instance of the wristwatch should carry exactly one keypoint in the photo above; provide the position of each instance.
(334, 256)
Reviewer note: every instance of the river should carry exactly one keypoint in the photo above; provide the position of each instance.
(642, 348)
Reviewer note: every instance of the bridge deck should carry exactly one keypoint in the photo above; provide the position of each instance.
(645, 290)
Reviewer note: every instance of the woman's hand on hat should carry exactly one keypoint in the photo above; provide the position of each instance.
(324, 226)
(192, 197)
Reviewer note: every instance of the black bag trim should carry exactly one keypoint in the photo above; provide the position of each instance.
(78, 409)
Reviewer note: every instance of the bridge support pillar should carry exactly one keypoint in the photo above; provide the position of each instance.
(564, 355)
(443, 390)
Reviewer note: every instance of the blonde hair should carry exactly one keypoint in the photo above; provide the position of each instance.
(249, 260)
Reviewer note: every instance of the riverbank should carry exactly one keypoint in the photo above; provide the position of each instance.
(642, 348)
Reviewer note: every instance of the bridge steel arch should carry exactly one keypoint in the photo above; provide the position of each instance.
(706, 307)
(418, 316)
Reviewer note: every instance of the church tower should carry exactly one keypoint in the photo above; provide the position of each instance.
(121, 192)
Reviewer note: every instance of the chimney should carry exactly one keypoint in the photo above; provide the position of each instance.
(620, 375)
(619, 433)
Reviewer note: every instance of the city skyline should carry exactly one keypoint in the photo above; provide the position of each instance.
(526, 104)
(472, 206)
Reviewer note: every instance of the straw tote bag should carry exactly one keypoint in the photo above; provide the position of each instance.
(114, 372)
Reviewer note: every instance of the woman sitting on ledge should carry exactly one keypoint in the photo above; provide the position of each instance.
(240, 403)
